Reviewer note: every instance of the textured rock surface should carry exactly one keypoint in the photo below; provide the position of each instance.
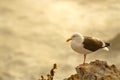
(96, 70)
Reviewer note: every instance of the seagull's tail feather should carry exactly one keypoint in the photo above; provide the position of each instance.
(105, 48)
(107, 44)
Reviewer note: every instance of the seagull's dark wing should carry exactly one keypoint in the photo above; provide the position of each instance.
(92, 44)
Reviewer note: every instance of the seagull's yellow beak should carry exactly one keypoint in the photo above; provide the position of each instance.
(68, 39)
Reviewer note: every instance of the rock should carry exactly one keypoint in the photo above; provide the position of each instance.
(96, 70)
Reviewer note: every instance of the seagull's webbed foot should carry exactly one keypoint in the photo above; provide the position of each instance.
(83, 64)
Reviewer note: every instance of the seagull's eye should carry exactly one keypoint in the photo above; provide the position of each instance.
(74, 36)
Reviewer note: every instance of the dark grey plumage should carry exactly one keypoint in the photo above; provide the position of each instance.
(93, 44)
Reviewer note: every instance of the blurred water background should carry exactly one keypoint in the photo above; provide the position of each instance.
(33, 35)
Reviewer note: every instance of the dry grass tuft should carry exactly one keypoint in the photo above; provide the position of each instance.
(51, 74)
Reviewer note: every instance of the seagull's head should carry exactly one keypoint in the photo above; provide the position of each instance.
(75, 37)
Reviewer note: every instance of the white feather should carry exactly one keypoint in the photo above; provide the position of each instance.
(105, 48)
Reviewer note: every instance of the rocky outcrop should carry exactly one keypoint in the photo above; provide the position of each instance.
(96, 70)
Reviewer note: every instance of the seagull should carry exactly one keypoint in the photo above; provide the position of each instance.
(86, 44)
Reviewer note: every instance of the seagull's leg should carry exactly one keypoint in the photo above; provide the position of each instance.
(84, 59)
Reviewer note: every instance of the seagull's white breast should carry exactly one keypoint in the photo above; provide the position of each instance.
(78, 47)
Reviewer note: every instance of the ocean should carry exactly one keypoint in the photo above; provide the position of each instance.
(33, 35)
